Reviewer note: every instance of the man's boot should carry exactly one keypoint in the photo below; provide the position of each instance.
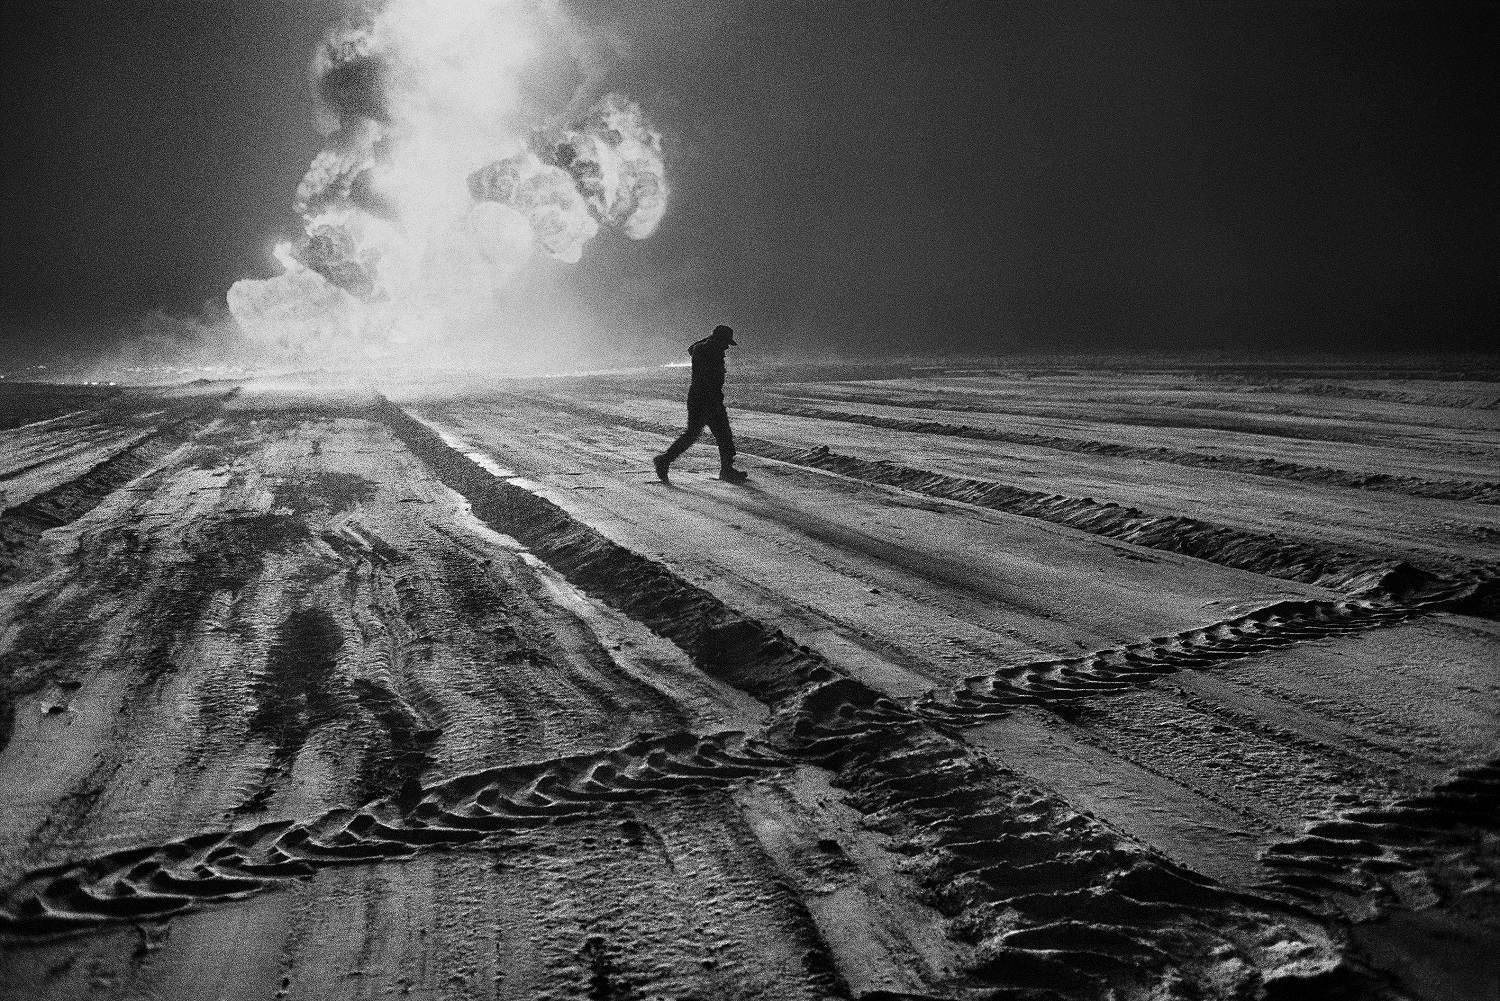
(661, 462)
(731, 475)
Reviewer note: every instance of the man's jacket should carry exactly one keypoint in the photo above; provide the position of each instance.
(707, 389)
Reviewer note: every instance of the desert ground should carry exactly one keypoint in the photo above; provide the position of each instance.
(1159, 679)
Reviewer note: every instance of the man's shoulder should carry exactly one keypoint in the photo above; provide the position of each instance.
(705, 345)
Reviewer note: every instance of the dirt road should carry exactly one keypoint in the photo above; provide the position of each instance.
(1000, 683)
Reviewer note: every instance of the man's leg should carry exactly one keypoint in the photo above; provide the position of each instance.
(718, 423)
(696, 423)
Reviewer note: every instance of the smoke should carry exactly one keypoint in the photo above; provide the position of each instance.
(447, 182)
(351, 75)
(330, 181)
(332, 251)
(162, 347)
(545, 196)
(295, 309)
(615, 159)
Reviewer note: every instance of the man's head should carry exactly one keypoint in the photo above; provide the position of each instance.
(725, 334)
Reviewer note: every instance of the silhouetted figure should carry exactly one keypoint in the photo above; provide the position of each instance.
(706, 406)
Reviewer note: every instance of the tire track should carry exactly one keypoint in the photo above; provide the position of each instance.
(1414, 853)
(40, 645)
(1474, 587)
(1382, 595)
(159, 881)
(1047, 897)
(1473, 491)
(1188, 416)
(49, 452)
(1044, 895)
(1055, 682)
(721, 642)
(1480, 399)
(21, 527)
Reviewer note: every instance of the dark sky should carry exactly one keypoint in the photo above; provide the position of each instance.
(897, 177)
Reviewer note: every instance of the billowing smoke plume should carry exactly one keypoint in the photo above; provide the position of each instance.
(444, 179)
(615, 158)
(546, 196)
(333, 252)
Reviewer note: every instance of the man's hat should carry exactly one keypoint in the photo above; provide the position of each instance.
(727, 333)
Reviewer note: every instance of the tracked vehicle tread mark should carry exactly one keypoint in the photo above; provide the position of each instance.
(1133, 665)
(218, 867)
(1412, 852)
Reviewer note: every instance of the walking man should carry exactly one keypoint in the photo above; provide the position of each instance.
(706, 406)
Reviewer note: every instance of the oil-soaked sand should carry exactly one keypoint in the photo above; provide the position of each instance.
(991, 683)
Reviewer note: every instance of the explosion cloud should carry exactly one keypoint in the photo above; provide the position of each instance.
(615, 158)
(546, 196)
(330, 180)
(444, 178)
(331, 250)
(297, 309)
